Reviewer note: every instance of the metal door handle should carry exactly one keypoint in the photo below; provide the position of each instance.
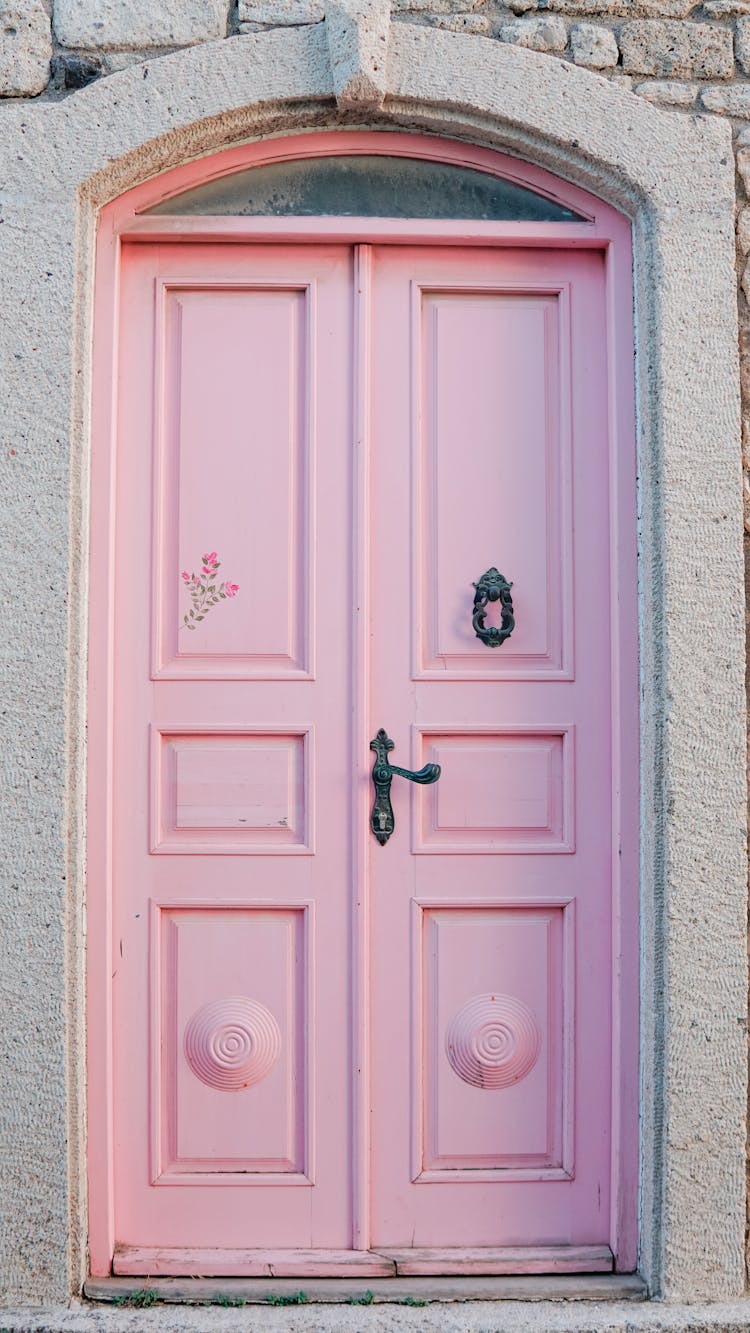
(382, 822)
(493, 587)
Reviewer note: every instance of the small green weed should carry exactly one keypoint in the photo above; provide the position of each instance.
(298, 1298)
(140, 1300)
(412, 1300)
(234, 1301)
(366, 1298)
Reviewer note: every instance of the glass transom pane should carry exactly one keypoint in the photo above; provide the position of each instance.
(367, 186)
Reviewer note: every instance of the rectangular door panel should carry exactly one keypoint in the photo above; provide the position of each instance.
(205, 1050)
(247, 791)
(492, 472)
(500, 791)
(472, 1038)
(235, 452)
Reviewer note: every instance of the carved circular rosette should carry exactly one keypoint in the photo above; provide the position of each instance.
(493, 1041)
(232, 1044)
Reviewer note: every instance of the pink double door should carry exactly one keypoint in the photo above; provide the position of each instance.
(325, 1047)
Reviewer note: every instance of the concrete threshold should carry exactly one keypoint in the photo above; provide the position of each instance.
(405, 1291)
(503, 1316)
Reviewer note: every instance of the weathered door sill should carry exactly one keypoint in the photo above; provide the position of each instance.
(144, 1292)
(500, 1261)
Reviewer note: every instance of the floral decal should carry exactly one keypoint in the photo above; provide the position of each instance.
(204, 591)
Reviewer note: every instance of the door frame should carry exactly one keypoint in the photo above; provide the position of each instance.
(125, 222)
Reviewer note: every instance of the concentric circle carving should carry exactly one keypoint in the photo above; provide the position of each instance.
(493, 1041)
(232, 1043)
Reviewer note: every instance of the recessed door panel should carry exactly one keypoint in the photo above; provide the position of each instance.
(500, 791)
(495, 1004)
(232, 1001)
(492, 467)
(235, 451)
(246, 791)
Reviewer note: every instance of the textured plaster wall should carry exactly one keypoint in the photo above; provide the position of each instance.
(72, 137)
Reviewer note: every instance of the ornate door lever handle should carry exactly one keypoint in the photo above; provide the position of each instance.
(382, 822)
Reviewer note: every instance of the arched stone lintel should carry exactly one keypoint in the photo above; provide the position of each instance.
(553, 113)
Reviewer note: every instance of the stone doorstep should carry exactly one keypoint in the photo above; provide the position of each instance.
(128, 1291)
(544, 1315)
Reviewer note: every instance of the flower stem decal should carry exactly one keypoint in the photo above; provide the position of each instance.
(204, 590)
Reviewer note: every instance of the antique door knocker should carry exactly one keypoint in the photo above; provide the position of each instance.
(493, 587)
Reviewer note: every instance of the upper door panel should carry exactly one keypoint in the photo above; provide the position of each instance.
(234, 452)
(491, 395)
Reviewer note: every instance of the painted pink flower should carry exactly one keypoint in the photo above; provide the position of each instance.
(204, 596)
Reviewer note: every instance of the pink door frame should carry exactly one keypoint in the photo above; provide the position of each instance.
(604, 230)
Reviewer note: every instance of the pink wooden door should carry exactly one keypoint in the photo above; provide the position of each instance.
(490, 904)
(232, 751)
(304, 431)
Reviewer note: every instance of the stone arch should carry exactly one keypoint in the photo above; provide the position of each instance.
(673, 177)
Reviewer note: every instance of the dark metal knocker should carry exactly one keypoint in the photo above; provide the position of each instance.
(493, 587)
(382, 822)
